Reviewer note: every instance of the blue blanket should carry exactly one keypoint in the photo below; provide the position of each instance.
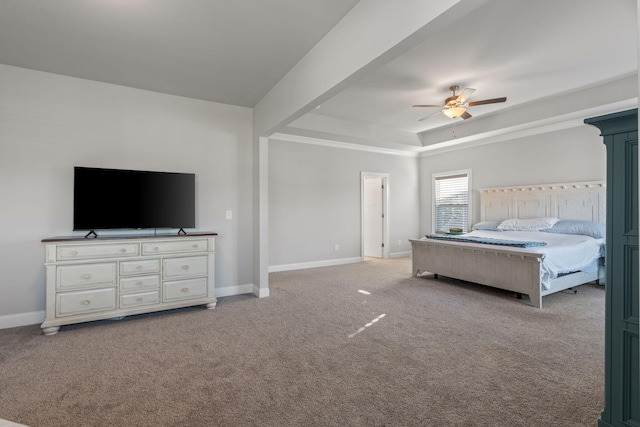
(486, 240)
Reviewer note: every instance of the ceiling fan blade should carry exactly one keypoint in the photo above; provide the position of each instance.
(487, 101)
(465, 115)
(434, 106)
(466, 93)
(430, 115)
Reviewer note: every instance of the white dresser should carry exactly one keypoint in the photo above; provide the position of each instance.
(103, 278)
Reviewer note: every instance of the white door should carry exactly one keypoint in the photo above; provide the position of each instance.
(373, 217)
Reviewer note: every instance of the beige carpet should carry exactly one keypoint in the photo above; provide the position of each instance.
(319, 352)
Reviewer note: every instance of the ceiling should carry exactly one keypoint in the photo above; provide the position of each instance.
(524, 50)
(227, 51)
(234, 52)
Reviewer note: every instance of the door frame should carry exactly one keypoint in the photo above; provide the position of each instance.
(385, 211)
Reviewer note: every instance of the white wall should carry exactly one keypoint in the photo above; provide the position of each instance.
(571, 155)
(50, 123)
(314, 201)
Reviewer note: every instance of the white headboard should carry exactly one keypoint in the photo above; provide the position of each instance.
(577, 200)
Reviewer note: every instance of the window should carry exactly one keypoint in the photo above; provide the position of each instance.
(452, 202)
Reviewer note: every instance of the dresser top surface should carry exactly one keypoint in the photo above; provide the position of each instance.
(83, 239)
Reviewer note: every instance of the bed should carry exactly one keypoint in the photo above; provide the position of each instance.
(538, 263)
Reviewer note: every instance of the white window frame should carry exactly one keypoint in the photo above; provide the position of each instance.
(441, 175)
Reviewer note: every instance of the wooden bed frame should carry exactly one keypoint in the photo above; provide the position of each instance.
(515, 271)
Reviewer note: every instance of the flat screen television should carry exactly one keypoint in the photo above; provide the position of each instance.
(132, 199)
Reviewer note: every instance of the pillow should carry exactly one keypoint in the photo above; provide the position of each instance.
(487, 225)
(587, 228)
(533, 224)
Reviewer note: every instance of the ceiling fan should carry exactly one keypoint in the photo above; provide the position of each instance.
(456, 105)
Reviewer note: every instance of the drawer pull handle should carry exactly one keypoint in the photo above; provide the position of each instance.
(185, 267)
(156, 248)
(74, 252)
(138, 299)
(139, 283)
(185, 289)
(86, 302)
(86, 276)
(195, 246)
(123, 250)
(139, 267)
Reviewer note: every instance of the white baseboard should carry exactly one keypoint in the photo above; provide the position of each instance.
(260, 292)
(22, 319)
(313, 264)
(228, 291)
(249, 288)
(400, 254)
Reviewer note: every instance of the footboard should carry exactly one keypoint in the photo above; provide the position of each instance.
(515, 271)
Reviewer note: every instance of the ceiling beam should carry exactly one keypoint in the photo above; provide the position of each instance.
(370, 35)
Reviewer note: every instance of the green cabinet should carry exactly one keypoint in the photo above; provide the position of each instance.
(622, 398)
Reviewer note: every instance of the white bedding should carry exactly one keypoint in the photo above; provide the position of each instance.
(564, 253)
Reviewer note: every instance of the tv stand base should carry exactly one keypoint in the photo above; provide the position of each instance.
(52, 330)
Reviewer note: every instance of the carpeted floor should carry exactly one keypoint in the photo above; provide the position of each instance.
(320, 352)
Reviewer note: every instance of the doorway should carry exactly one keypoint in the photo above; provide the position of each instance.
(374, 221)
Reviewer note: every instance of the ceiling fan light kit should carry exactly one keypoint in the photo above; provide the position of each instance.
(454, 112)
(456, 105)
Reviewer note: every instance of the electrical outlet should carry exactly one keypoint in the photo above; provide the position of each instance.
(337, 247)
(229, 215)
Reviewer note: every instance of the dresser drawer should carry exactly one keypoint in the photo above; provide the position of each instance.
(139, 267)
(132, 284)
(146, 298)
(110, 250)
(85, 275)
(169, 247)
(184, 289)
(70, 303)
(175, 268)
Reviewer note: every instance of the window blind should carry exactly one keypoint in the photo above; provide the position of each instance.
(452, 202)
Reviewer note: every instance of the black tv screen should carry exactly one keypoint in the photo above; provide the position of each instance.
(121, 199)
